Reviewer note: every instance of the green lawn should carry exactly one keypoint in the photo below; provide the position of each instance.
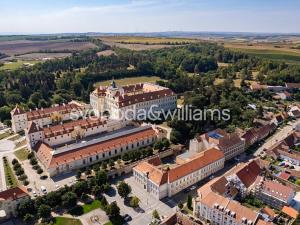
(130, 80)
(9, 175)
(96, 204)
(66, 221)
(22, 154)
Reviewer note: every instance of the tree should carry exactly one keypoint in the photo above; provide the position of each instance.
(44, 211)
(26, 206)
(101, 177)
(69, 199)
(155, 215)
(134, 202)
(80, 187)
(78, 174)
(96, 190)
(124, 189)
(180, 205)
(28, 218)
(53, 198)
(113, 210)
(189, 201)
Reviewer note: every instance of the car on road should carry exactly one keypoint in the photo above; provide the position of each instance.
(44, 190)
(127, 218)
(193, 188)
(34, 194)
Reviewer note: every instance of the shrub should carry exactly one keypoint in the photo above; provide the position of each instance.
(30, 155)
(25, 182)
(19, 171)
(39, 170)
(23, 177)
(16, 166)
(14, 161)
(33, 161)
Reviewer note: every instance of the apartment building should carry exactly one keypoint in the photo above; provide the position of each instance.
(131, 101)
(229, 143)
(273, 193)
(20, 119)
(66, 158)
(162, 181)
(215, 201)
(69, 132)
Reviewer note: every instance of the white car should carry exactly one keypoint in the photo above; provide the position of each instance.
(43, 189)
(193, 188)
(34, 194)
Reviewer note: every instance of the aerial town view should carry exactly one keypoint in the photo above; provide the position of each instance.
(149, 112)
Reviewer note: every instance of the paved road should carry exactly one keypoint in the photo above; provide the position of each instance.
(279, 135)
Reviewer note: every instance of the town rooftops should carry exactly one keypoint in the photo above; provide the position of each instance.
(50, 160)
(13, 193)
(33, 128)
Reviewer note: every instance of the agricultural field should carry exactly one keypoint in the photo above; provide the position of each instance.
(130, 80)
(273, 51)
(21, 47)
(237, 82)
(42, 56)
(18, 64)
(140, 43)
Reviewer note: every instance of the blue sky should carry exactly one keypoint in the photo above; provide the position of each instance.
(56, 16)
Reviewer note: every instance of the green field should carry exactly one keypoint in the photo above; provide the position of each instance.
(276, 55)
(16, 65)
(130, 80)
(22, 154)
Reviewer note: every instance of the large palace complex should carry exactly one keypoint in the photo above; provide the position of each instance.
(64, 139)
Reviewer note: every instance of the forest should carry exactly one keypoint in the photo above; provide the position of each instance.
(189, 70)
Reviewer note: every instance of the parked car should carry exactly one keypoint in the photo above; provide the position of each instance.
(127, 218)
(193, 188)
(186, 190)
(34, 194)
(44, 190)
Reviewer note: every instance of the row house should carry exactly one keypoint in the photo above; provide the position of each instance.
(168, 181)
(255, 135)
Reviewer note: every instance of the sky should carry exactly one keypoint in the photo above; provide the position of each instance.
(74, 16)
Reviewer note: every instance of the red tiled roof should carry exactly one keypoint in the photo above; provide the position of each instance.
(13, 193)
(277, 190)
(284, 175)
(33, 127)
(292, 85)
(17, 111)
(249, 173)
(69, 127)
(203, 159)
(42, 113)
(290, 211)
(51, 161)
